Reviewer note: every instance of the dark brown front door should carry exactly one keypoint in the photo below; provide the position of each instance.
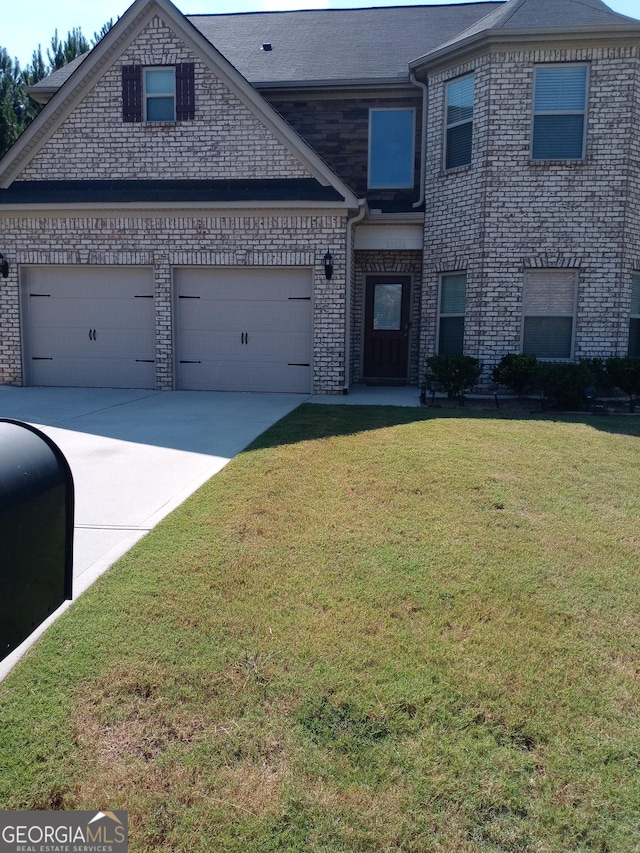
(386, 333)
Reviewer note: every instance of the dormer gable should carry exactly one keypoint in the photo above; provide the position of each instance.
(155, 100)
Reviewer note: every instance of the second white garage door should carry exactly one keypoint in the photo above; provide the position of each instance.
(244, 329)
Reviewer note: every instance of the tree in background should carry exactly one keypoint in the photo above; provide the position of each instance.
(17, 110)
(62, 52)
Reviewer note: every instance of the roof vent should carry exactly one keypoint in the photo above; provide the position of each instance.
(266, 46)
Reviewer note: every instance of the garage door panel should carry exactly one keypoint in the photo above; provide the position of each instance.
(250, 283)
(108, 373)
(255, 376)
(219, 317)
(90, 326)
(76, 282)
(83, 314)
(270, 346)
(76, 343)
(244, 329)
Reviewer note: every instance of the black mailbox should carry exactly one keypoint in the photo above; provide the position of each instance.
(36, 531)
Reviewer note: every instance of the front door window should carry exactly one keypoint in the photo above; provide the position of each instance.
(387, 307)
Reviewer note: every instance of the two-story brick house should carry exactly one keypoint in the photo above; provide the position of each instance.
(297, 201)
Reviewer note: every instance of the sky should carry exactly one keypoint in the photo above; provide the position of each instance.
(23, 26)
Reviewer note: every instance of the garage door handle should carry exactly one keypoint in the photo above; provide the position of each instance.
(244, 338)
(92, 334)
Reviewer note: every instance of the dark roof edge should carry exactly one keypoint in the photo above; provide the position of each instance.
(172, 191)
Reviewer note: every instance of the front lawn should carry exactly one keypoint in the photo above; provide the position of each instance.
(378, 629)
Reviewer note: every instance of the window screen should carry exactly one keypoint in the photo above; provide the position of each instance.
(453, 297)
(549, 307)
(559, 112)
(459, 134)
(160, 94)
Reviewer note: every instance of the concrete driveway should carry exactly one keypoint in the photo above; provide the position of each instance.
(135, 456)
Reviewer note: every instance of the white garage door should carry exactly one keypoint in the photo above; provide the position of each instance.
(246, 329)
(89, 326)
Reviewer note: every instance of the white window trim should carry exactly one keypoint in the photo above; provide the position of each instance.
(442, 315)
(573, 314)
(411, 185)
(584, 112)
(448, 125)
(146, 95)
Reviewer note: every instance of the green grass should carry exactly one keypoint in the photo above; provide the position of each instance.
(375, 630)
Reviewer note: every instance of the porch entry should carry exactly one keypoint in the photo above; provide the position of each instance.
(386, 328)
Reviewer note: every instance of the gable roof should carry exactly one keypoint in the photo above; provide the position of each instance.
(328, 46)
(340, 46)
(107, 52)
(536, 19)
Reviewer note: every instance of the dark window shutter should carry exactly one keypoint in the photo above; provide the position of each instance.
(131, 93)
(185, 92)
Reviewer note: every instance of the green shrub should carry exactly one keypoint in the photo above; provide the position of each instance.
(600, 379)
(624, 373)
(455, 374)
(518, 373)
(564, 386)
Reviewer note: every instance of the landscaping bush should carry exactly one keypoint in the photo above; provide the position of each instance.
(624, 373)
(597, 367)
(564, 386)
(454, 374)
(518, 373)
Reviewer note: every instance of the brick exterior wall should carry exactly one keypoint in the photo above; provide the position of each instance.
(165, 241)
(225, 140)
(632, 221)
(504, 213)
(338, 129)
(375, 262)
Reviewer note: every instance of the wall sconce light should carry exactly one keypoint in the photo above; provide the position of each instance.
(328, 265)
(4, 266)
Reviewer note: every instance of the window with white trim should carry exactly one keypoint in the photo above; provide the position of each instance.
(159, 94)
(391, 148)
(559, 112)
(634, 322)
(549, 313)
(453, 298)
(459, 122)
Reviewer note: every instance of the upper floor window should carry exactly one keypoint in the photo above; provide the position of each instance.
(559, 112)
(159, 93)
(459, 122)
(634, 322)
(391, 148)
(549, 313)
(453, 298)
